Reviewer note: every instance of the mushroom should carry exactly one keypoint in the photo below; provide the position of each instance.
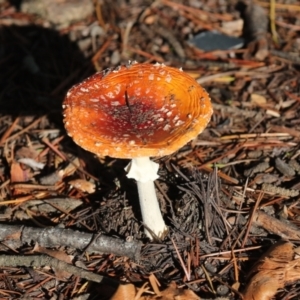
(138, 111)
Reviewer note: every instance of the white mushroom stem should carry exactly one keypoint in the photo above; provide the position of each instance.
(144, 171)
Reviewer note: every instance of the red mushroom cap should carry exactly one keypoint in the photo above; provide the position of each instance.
(136, 110)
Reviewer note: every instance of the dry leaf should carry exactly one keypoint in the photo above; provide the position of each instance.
(175, 293)
(154, 284)
(83, 185)
(60, 255)
(124, 292)
(273, 112)
(71, 168)
(233, 28)
(25, 152)
(17, 174)
(31, 163)
(128, 292)
(258, 99)
(273, 271)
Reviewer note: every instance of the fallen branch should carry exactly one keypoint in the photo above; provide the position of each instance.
(275, 226)
(44, 260)
(14, 236)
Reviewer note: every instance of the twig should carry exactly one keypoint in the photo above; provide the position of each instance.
(187, 274)
(209, 279)
(98, 54)
(150, 56)
(44, 260)
(9, 131)
(235, 73)
(284, 6)
(14, 136)
(291, 57)
(272, 21)
(230, 252)
(255, 135)
(259, 198)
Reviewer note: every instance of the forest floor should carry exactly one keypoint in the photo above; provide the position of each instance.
(70, 222)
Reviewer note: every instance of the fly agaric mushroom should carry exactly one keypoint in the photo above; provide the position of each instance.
(137, 111)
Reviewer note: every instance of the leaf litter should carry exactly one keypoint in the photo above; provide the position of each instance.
(227, 197)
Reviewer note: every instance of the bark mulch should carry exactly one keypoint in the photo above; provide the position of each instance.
(70, 222)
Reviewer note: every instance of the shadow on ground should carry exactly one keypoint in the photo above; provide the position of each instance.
(37, 66)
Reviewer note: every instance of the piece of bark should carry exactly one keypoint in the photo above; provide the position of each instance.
(15, 236)
(284, 168)
(276, 268)
(254, 31)
(284, 230)
(260, 167)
